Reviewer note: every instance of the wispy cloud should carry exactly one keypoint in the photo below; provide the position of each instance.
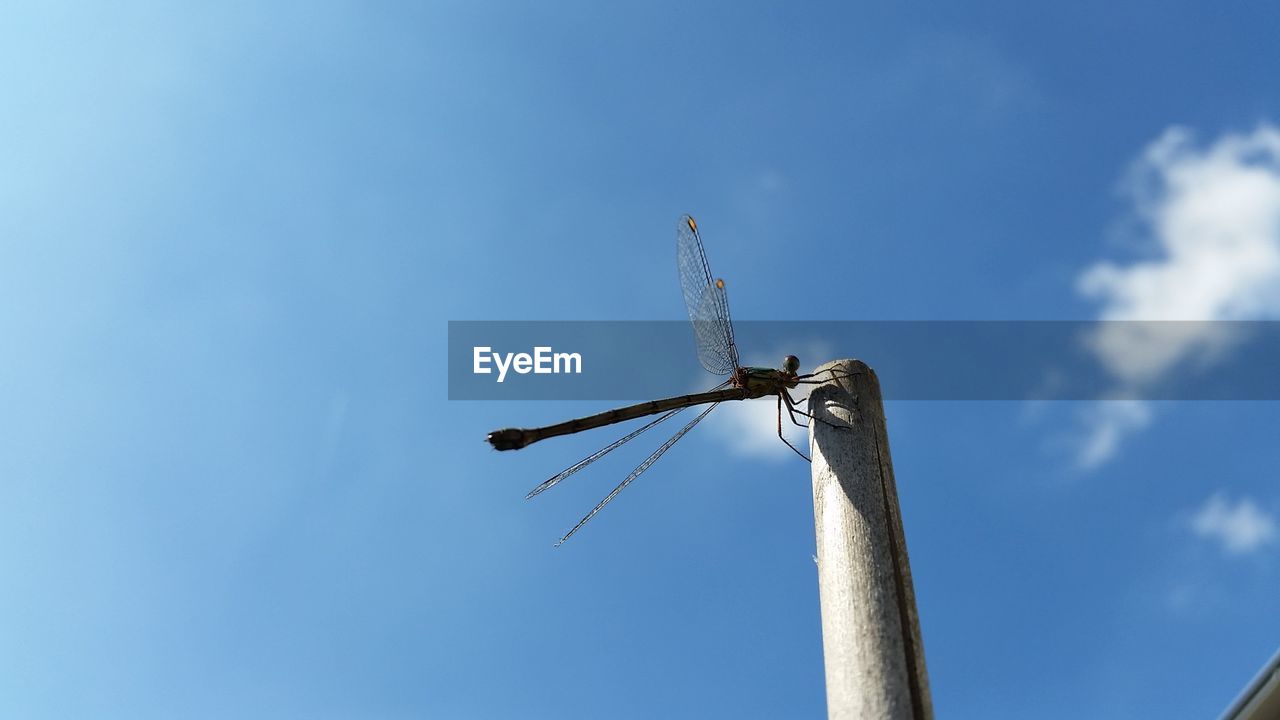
(1211, 225)
(1240, 528)
(1108, 423)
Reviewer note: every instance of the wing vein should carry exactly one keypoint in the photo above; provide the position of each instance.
(636, 473)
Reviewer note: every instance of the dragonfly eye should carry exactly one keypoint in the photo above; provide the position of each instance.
(790, 364)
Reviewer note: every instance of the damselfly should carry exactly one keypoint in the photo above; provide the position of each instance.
(708, 307)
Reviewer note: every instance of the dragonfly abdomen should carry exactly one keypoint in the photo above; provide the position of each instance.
(516, 438)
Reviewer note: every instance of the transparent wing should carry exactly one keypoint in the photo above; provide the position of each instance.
(599, 454)
(636, 473)
(705, 299)
(711, 328)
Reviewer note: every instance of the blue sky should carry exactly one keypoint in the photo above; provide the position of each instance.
(231, 484)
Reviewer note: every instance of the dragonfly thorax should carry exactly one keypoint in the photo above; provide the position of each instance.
(768, 381)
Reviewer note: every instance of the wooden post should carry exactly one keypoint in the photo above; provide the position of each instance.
(870, 628)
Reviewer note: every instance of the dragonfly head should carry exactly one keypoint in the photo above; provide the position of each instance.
(790, 364)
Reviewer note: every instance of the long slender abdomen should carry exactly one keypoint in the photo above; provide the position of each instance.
(516, 438)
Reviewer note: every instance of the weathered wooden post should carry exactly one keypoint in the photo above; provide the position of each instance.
(870, 629)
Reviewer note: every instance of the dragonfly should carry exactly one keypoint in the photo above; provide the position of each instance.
(708, 306)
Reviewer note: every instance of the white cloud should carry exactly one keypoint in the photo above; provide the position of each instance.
(1212, 217)
(750, 429)
(1240, 529)
(1107, 424)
